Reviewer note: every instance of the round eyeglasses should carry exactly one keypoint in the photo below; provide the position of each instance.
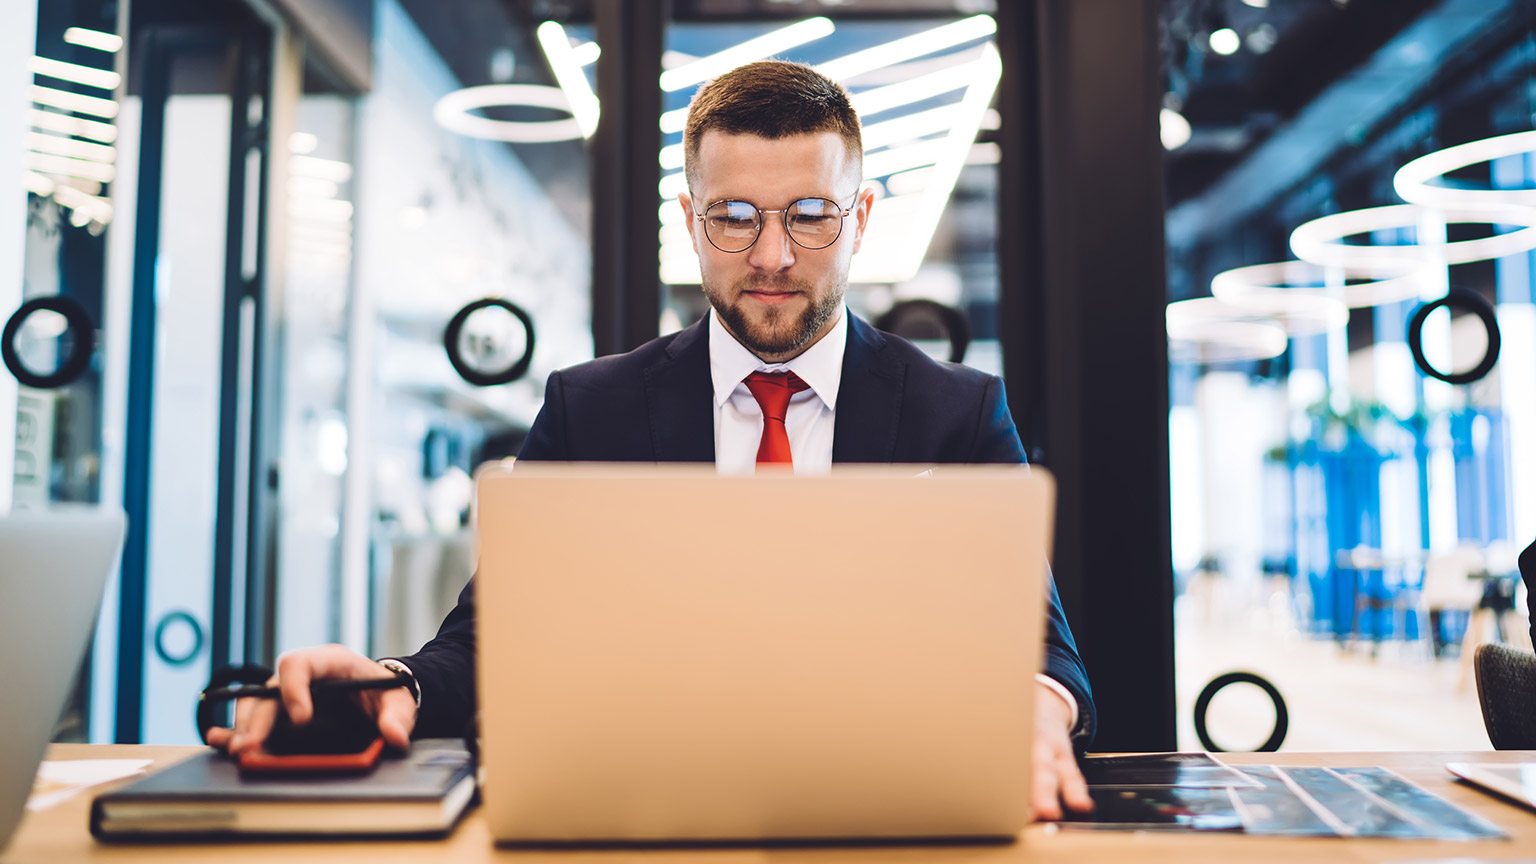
(733, 226)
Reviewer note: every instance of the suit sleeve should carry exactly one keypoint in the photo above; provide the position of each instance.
(445, 667)
(997, 441)
(546, 441)
(445, 672)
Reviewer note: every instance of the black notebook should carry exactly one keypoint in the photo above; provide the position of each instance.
(421, 793)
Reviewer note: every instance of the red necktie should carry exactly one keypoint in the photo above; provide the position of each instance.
(772, 391)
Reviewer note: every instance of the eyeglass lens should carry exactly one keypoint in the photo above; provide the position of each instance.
(733, 226)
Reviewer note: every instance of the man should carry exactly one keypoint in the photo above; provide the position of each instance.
(779, 372)
(1528, 573)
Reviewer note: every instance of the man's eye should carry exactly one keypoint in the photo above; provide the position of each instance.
(730, 222)
(808, 221)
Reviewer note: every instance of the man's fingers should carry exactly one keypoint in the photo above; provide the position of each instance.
(218, 736)
(294, 672)
(1047, 785)
(1074, 789)
(397, 717)
(253, 722)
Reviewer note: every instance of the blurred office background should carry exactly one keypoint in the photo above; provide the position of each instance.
(236, 233)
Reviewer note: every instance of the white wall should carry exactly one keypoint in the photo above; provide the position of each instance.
(441, 220)
(18, 39)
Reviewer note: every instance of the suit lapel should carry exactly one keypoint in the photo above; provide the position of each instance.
(679, 399)
(868, 399)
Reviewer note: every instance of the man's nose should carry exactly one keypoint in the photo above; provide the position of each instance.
(774, 250)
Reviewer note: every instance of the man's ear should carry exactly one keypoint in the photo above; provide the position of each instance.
(861, 207)
(687, 202)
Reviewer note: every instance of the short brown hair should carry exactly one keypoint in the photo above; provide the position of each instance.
(771, 99)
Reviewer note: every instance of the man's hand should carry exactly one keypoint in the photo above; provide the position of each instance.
(1057, 778)
(394, 709)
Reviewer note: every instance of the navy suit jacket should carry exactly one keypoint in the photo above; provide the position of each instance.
(656, 404)
(1528, 573)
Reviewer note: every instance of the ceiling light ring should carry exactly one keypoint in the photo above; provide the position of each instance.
(1414, 182)
(1204, 330)
(1261, 286)
(1319, 241)
(452, 113)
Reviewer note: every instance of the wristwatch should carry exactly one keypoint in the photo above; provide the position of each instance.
(411, 683)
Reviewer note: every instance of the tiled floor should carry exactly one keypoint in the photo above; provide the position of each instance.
(1338, 699)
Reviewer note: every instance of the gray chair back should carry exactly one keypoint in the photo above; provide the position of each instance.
(1506, 688)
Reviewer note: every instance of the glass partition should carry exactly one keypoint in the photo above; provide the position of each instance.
(1348, 238)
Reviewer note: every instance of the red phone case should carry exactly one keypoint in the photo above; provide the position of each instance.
(260, 761)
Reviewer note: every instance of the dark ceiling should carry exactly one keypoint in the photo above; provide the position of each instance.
(1292, 50)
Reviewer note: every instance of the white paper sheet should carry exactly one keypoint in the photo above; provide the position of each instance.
(59, 780)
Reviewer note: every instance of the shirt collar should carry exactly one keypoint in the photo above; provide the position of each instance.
(820, 366)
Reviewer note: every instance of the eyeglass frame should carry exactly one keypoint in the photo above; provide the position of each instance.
(843, 214)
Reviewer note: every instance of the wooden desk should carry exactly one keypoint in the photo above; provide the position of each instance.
(60, 836)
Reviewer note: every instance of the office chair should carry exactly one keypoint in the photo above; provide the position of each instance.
(1506, 689)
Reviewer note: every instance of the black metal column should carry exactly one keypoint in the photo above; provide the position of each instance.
(626, 286)
(242, 286)
(132, 596)
(266, 374)
(1084, 345)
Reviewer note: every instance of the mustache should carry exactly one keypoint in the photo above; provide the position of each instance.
(772, 282)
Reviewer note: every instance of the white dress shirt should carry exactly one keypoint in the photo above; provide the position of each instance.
(809, 419)
(739, 419)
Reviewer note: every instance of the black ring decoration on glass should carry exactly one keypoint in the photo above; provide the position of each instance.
(197, 638)
(1203, 704)
(953, 320)
(1472, 302)
(462, 366)
(251, 674)
(79, 359)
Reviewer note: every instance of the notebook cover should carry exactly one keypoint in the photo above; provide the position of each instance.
(213, 781)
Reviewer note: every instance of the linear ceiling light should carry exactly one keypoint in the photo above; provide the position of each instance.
(938, 83)
(904, 158)
(42, 143)
(323, 169)
(917, 125)
(909, 47)
(766, 45)
(66, 124)
(586, 53)
(1414, 181)
(877, 99)
(883, 99)
(104, 79)
(87, 207)
(92, 105)
(946, 172)
(563, 61)
(109, 42)
(86, 169)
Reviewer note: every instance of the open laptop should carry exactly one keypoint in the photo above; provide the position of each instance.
(671, 655)
(53, 566)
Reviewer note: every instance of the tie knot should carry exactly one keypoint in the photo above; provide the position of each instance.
(772, 391)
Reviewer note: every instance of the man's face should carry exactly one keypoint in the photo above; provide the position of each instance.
(777, 297)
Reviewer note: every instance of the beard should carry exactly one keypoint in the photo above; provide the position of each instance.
(777, 331)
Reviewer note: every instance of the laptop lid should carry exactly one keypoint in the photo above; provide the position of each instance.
(669, 654)
(53, 566)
